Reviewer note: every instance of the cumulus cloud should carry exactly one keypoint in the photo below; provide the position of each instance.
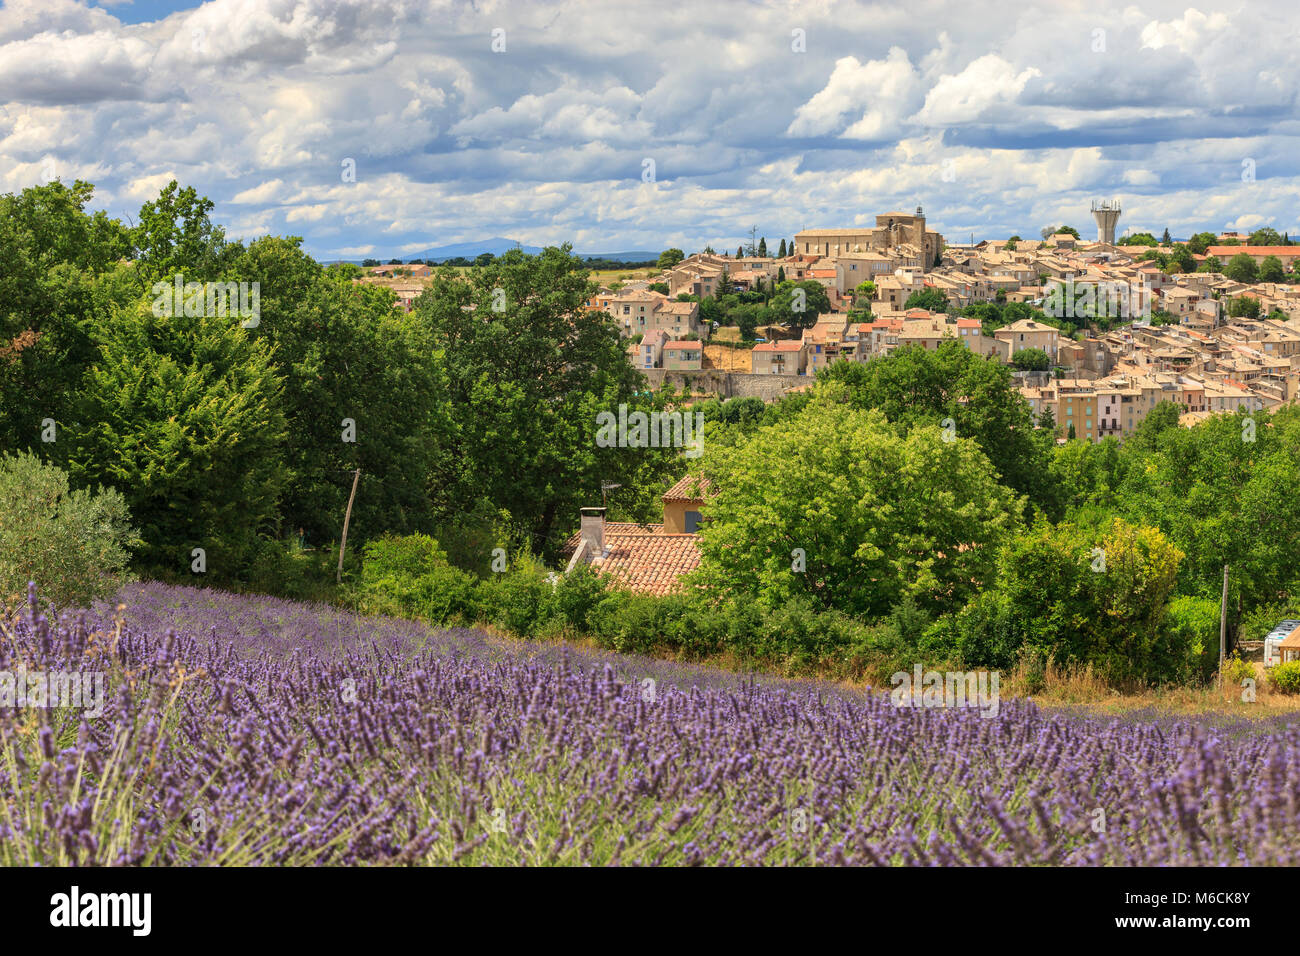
(877, 92)
(264, 193)
(986, 82)
(1187, 33)
(995, 124)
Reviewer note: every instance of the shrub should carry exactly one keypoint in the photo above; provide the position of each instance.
(985, 633)
(1285, 678)
(520, 600)
(410, 576)
(635, 623)
(74, 544)
(471, 537)
(575, 596)
(282, 568)
(800, 635)
(1235, 670)
(1192, 628)
(1032, 669)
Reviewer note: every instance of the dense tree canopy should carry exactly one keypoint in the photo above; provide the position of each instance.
(896, 489)
(976, 395)
(528, 370)
(183, 416)
(868, 516)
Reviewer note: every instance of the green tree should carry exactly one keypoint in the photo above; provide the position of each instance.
(1181, 259)
(799, 311)
(73, 544)
(1265, 237)
(1047, 421)
(183, 415)
(1137, 239)
(915, 386)
(1066, 229)
(1218, 491)
(747, 319)
(1081, 595)
(780, 252)
(1244, 306)
(932, 300)
(344, 271)
(1241, 268)
(529, 369)
(1202, 241)
(345, 352)
(175, 235)
(1165, 416)
(669, 259)
(60, 266)
(1270, 270)
(1031, 360)
(869, 516)
(762, 247)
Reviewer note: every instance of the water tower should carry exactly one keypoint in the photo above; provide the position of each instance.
(1106, 212)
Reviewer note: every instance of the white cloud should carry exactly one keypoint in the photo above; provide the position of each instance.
(257, 102)
(964, 97)
(1186, 33)
(264, 193)
(885, 85)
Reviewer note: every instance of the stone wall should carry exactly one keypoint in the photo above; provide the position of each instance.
(726, 384)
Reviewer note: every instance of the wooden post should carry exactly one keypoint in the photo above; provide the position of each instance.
(343, 545)
(1223, 625)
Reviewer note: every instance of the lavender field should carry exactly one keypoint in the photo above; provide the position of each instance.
(241, 730)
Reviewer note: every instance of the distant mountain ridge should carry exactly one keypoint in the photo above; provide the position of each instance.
(497, 246)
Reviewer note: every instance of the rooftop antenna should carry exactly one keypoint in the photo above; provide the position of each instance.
(606, 487)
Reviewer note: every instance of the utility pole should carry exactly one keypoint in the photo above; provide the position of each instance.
(1223, 625)
(347, 517)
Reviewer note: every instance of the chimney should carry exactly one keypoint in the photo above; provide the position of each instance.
(593, 532)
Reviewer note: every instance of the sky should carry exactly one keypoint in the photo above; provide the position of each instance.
(385, 127)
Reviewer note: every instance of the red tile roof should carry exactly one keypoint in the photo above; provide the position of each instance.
(1221, 251)
(643, 558)
(778, 347)
(650, 563)
(690, 488)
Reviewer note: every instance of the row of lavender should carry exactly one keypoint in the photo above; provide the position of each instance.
(250, 730)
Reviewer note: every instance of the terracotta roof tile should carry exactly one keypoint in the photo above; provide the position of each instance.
(642, 558)
(690, 488)
(650, 563)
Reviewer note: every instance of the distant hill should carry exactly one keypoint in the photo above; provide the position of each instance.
(497, 246)
(470, 249)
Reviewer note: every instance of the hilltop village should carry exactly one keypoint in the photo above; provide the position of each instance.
(1097, 333)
